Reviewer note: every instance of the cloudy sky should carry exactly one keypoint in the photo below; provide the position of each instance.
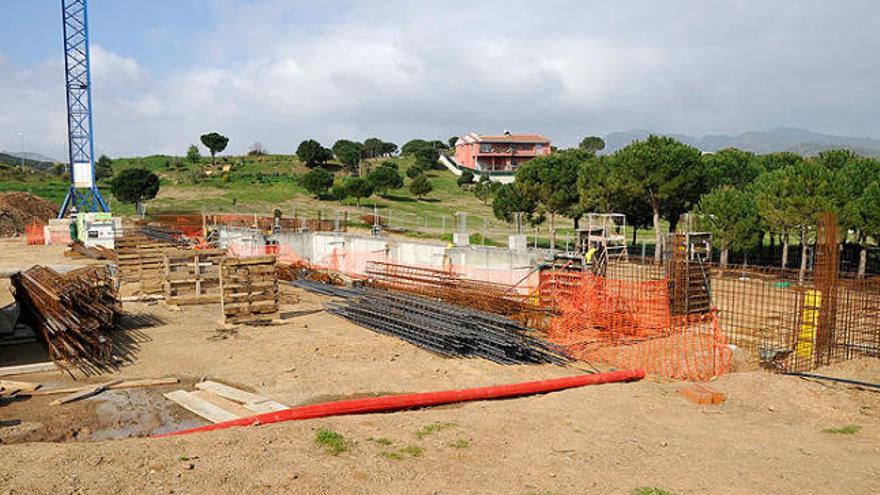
(277, 72)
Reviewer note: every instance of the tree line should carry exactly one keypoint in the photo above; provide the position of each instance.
(738, 196)
(322, 183)
(139, 185)
(379, 180)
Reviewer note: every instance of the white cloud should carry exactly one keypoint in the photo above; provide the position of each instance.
(278, 72)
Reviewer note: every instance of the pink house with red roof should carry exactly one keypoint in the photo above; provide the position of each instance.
(499, 153)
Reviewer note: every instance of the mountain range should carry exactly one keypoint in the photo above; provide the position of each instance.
(780, 139)
(35, 160)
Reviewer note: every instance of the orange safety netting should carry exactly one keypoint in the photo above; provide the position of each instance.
(629, 324)
(35, 233)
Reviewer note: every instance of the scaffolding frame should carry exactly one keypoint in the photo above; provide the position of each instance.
(606, 230)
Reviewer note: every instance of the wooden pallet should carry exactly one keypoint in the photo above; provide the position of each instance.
(140, 259)
(249, 289)
(193, 277)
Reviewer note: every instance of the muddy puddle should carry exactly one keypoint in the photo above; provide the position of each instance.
(137, 413)
(111, 415)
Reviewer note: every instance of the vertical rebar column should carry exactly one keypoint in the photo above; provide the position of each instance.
(677, 273)
(825, 279)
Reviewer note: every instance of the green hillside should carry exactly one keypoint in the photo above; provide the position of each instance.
(260, 184)
(12, 161)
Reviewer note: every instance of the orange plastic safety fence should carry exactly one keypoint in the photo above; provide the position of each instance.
(628, 324)
(35, 234)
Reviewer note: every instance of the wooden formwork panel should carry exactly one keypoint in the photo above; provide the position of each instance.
(193, 277)
(249, 289)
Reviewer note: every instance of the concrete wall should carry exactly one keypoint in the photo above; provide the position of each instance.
(350, 253)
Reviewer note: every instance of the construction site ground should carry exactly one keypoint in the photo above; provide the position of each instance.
(769, 436)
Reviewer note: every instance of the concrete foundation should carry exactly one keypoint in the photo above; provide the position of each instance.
(350, 253)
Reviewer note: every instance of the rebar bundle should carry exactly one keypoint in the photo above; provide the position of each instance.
(73, 313)
(161, 233)
(448, 286)
(439, 327)
(303, 270)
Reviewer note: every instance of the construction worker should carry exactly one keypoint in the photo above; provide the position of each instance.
(73, 229)
(590, 253)
(599, 265)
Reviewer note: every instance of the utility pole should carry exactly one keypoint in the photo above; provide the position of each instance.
(21, 138)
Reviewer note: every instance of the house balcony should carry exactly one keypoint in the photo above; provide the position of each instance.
(531, 153)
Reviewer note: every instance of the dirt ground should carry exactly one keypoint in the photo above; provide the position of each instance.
(766, 438)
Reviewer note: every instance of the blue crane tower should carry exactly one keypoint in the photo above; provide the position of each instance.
(83, 194)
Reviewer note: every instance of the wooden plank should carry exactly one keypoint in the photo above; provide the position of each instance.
(226, 405)
(190, 300)
(28, 368)
(251, 270)
(252, 306)
(242, 293)
(247, 300)
(200, 407)
(188, 278)
(252, 303)
(269, 283)
(82, 394)
(142, 298)
(230, 393)
(146, 382)
(205, 253)
(266, 406)
(252, 402)
(255, 260)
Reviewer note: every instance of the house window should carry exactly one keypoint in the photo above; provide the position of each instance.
(485, 148)
(539, 148)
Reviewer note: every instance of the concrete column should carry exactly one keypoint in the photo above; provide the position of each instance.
(517, 242)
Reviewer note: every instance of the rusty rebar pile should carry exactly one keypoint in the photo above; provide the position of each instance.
(448, 286)
(303, 270)
(73, 314)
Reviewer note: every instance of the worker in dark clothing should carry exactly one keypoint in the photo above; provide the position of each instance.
(73, 230)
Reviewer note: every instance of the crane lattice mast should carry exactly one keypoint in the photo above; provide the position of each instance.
(83, 193)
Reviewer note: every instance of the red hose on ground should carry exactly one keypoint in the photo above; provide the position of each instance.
(410, 401)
